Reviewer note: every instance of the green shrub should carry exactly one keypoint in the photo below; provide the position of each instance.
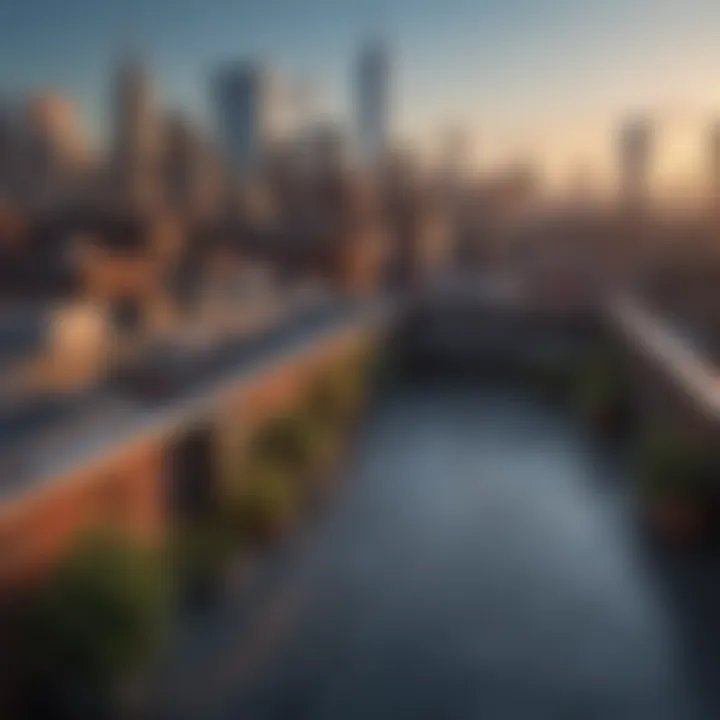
(320, 441)
(601, 392)
(287, 442)
(265, 502)
(339, 396)
(202, 550)
(671, 465)
(264, 488)
(99, 616)
(323, 404)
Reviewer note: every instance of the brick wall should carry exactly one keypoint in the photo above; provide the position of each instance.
(124, 490)
(127, 488)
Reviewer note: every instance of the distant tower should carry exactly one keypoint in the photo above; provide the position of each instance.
(185, 165)
(635, 159)
(55, 148)
(138, 137)
(456, 154)
(373, 104)
(7, 150)
(244, 95)
(323, 148)
(714, 164)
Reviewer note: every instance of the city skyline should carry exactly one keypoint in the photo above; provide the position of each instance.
(501, 72)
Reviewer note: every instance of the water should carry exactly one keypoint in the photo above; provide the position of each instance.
(480, 560)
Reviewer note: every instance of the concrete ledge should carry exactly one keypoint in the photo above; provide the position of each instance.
(666, 348)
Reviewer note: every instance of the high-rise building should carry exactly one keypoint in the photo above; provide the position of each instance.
(714, 163)
(244, 94)
(191, 176)
(9, 141)
(137, 136)
(323, 148)
(55, 118)
(373, 104)
(183, 162)
(55, 149)
(635, 160)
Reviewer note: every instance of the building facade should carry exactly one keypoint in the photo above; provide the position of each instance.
(137, 143)
(635, 161)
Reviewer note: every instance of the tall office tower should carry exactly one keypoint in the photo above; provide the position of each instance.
(635, 159)
(56, 152)
(455, 161)
(183, 163)
(373, 104)
(191, 179)
(245, 99)
(137, 138)
(714, 164)
(8, 149)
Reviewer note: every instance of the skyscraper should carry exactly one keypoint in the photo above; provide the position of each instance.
(714, 163)
(191, 177)
(137, 137)
(244, 99)
(373, 104)
(183, 160)
(55, 148)
(635, 159)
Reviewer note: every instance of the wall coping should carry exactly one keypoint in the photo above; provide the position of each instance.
(681, 360)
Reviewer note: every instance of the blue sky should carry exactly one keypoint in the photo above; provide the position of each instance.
(533, 77)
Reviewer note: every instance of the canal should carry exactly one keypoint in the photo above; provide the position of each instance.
(479, 559)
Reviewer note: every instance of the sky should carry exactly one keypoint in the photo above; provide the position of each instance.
(546, 81)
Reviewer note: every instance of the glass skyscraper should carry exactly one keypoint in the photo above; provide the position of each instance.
(373, 103)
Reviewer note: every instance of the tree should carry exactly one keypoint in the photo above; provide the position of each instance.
(97, 619)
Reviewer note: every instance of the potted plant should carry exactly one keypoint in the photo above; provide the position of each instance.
(339, 397)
